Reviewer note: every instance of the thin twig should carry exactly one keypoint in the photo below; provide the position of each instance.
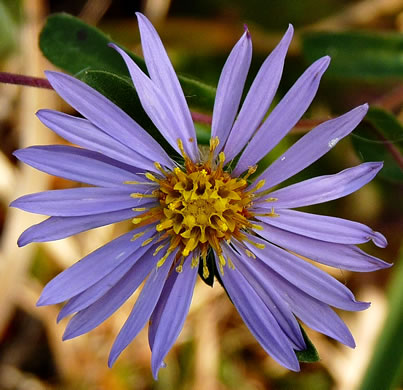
(393, 150)
(201, 118)
(29, 81)
(391, 100)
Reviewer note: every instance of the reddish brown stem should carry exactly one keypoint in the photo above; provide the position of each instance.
(390, 100)
(393, 150)
(30, 81)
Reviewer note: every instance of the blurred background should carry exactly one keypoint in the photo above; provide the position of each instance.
(215, 349)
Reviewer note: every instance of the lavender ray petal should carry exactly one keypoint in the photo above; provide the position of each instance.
(157, 106)
(99, 289)
(93, 315)
(307, 277)
(312, 146)
(83, 133)
(55, 228)
(314, 313)
(322, 188)
(264, 288)
(142, 310)
(159, 308)
(76, 164)
(173, 314)
(92, 268)
(324, 228)
(259, 319)
(163, 75)
(230, 87)
(107, 116)
(284, 116)
(347, 257)
(259, 98)
(77, 201)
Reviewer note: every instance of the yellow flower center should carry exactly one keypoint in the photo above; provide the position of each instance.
(203, 206)
(199, 206)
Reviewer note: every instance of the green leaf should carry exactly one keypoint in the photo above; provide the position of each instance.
(203, 133)
(385, 369)
(76, 47)
(8, 29)
(310, 354)
(357, 55)
(380, 138)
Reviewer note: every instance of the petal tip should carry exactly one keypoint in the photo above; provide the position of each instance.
(140, 15)
(14, 203)
(379, 240)
(247, 32)
(60, 316)
(362, 305)
(42, 301)
(112, 358)
(326, 60)
(290, 30)
(22, 241)
(65, 336)
(113, 45)
(156, 368)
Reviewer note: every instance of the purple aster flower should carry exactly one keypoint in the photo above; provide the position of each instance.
(185, 213)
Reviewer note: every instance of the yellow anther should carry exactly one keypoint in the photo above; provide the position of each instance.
(135, 221)
(223, 226)
(138, 195)
(271, 200)
(151, 177)
(222, 259)
(195, 261)
(214, 142)
(190, 245)
(161, 261)
(136, 236)
(146, 242)
(139, 209)
(258, 186)
(221, 157)
(158, 249)
(250, 254)
(164, 225)
(251, 171)
(272, 213)
(179, 268)
(256, 244)
(159, 167)
(257, 227)
(206, 272)
(181, 148)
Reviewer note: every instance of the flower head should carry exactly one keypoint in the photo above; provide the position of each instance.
(204, 206)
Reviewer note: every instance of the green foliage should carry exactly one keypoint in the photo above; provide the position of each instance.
(310, 354)
(9, 20)
(380, 138)
(386, 366)
(357, 55)
(76, 47)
